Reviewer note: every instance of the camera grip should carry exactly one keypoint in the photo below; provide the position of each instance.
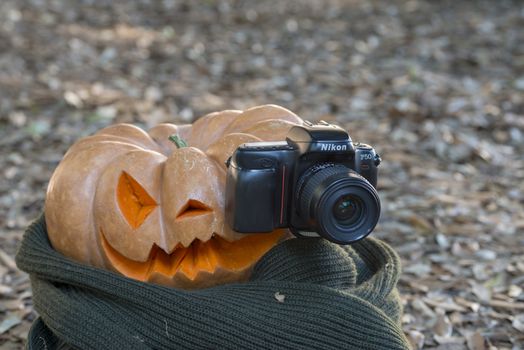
(250, 199)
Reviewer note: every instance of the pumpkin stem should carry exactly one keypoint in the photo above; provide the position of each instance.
(178, 141)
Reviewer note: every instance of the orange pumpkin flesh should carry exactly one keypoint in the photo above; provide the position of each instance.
(134, 202)
(198, 256)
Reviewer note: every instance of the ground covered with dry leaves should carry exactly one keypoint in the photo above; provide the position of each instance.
(436, 87)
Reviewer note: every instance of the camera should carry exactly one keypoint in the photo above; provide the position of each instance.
(316, 183)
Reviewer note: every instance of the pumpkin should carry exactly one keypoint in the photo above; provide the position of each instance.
(151, 205)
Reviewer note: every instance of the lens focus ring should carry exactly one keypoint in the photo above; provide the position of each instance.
(322, 191)
(313, 183)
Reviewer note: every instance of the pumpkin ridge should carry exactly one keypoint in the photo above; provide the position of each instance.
(88, 141)
(162, 234)
(135, 135)
(212, 125)
(257, 114)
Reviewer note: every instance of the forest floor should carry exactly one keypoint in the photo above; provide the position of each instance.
(437, 87)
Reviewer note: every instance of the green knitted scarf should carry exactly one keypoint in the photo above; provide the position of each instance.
(303, 294)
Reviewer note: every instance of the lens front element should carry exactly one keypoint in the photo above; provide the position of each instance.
(347, 209)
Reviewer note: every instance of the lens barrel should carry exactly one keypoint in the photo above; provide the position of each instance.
(341, 205)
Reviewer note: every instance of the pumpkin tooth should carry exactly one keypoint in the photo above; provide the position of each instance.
(160, 261)
(187, 266)
(206, 257)
(176, 258)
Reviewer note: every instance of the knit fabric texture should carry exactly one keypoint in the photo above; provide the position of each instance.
(303, 294)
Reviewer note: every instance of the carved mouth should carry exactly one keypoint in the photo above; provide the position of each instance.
(196, 258)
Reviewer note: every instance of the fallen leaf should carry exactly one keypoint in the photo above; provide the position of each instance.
(518, 322)
(9, 322)
(416, 339)
(506, 305)
(475, 341)
(446, 305)
(443, 326)
(280, 297)
(449, 340)
(420, 306)
(419, 270)
(7, 260)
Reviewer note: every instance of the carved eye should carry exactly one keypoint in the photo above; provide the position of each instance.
(134, 201)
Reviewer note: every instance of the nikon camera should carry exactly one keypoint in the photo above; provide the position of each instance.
(316, 183)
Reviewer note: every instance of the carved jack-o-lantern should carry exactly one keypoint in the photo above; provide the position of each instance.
(153, 210)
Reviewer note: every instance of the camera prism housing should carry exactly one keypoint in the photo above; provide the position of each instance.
(316, 183)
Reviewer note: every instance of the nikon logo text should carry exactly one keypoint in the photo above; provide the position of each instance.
(333, 147)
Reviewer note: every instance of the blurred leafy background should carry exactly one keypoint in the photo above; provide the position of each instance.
(436, 86)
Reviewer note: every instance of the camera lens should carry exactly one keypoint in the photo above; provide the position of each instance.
(347, 209)
(338, 203)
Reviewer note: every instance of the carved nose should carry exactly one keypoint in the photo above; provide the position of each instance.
(193, 208)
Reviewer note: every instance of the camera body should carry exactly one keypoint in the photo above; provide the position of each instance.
(299, 183)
